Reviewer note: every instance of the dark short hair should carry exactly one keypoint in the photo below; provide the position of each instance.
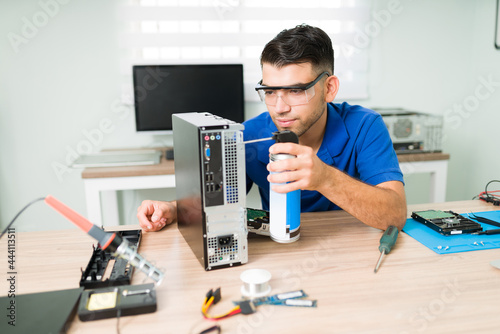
(302, 44)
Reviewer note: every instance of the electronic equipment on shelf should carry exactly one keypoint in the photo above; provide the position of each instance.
(413, 132)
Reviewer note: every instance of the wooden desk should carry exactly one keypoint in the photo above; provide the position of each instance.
(103, 183)
(415, 290)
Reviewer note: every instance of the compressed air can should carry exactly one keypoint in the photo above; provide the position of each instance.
(284, 211)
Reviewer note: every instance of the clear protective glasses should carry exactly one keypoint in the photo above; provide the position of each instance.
(291, 95)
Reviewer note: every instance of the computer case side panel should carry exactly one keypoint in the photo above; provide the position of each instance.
(190, 215)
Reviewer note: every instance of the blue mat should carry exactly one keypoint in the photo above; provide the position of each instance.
(442, 244)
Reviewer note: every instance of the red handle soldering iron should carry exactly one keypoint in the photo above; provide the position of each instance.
(107, 240)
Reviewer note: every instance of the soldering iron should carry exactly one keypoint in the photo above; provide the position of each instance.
(108, 240)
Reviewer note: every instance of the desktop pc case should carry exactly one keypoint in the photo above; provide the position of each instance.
(413, 132)
(211, 188)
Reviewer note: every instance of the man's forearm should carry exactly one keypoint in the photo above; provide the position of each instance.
(378, 206)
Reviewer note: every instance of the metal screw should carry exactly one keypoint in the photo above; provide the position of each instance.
(482, 243)
(475, 243)
(447, 247)
(439, 247)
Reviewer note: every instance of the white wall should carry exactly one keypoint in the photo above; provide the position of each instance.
(431, 57)
(64, 81)
(472, 139)
(59, 81)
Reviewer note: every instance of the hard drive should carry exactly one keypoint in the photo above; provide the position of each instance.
(446, 222)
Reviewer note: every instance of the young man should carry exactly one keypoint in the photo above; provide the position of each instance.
(345, 157)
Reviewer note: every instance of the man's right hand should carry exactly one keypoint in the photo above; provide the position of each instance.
(154, 215)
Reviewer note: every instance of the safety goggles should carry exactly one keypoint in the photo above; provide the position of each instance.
(291, 95)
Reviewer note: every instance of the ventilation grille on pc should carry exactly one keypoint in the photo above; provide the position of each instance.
(231, 165)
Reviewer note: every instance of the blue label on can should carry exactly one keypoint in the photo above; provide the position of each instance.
(284, 211)
(293, 210)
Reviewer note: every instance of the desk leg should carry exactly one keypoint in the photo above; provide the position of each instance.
(439, 172)
(106, 189)
(93, 200)
(110, 214)
(438, 182)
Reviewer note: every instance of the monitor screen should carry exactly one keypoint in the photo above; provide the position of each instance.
(163, 90)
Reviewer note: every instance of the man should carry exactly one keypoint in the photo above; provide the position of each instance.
(344, 158)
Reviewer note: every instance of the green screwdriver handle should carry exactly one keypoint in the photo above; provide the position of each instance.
(388, 239)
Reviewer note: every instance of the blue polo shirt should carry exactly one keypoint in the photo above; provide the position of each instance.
(356, 142)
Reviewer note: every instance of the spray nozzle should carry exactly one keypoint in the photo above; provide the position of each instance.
(285, 136)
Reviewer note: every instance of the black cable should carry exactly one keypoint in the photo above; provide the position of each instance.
(211, 329)
(118, 314)
(19, 213)
(486, 190)
(487, 197)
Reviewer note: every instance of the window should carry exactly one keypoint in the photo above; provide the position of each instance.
(235, 31)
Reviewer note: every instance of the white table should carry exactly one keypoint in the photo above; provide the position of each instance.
(434, 163)
(102, 184)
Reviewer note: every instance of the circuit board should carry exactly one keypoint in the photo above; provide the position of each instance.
(258, 221)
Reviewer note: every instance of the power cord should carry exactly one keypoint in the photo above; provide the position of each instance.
(19, 213)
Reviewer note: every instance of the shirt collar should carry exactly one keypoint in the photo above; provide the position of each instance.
(336, 135)
(334, 141)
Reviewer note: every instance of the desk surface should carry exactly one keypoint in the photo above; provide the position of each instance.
(414, 157)
(167, 166)
(414, 291)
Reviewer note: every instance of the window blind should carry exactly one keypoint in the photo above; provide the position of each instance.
(235, 31)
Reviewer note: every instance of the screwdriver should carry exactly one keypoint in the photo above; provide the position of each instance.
(386, 242)
(488, 232)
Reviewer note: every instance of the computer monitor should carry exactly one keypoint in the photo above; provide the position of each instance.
(163, 90)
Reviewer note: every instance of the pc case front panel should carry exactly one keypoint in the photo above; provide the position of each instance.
(224, 197)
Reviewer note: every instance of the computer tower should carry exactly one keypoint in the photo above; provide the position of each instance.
(413, 132)
(210, 182)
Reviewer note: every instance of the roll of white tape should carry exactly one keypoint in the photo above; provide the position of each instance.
(255, 283)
